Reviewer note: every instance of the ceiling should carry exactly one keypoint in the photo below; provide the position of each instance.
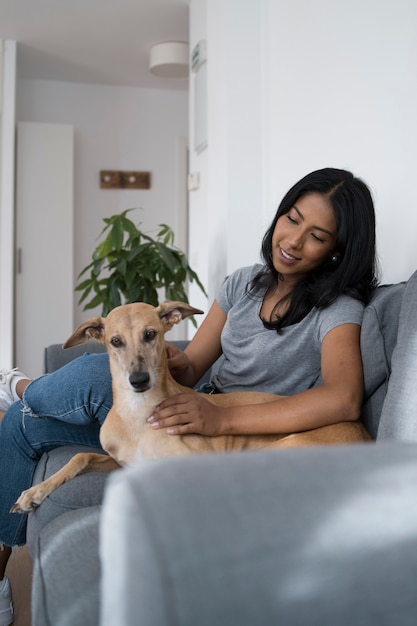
(93, 41)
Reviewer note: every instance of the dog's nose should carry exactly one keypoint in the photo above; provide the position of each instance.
(139, 381)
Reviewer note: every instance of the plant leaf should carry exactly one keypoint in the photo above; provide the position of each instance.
(117, 235)
(129, 265)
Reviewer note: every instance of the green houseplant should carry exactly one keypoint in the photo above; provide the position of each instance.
(129, 265)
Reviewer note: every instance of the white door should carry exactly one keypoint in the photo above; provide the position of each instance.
(44, 241)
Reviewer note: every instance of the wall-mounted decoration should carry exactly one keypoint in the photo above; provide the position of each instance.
(199, 67)
(113, 179)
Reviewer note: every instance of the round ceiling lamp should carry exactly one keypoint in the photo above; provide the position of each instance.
(170, 59)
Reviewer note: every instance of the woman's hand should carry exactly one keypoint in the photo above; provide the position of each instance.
(187, 413)
(178, 362)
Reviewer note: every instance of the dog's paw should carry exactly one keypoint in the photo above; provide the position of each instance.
(28, 501)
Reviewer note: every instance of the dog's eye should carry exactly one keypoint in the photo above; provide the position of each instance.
(150, 334)
(116, 342)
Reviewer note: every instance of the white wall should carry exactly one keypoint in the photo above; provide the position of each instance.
(200, 217)
(342, 92)
(7, 198)
(293, 86)
(225, 212)
(122, 129)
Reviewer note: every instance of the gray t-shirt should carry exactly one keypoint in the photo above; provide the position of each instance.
(256, 358)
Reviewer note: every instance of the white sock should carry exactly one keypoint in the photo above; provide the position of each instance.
(13, 384)
(13, 388)
(3, 584)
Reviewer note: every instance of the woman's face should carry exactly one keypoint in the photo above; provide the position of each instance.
(305, 237)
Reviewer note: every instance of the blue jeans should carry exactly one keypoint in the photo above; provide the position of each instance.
(58, 409)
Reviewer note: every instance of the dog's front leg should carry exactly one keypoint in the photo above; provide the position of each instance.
(80, 463)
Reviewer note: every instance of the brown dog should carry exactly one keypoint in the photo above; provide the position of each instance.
(134, 337)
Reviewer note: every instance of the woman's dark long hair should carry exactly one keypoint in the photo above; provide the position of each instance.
(354, 272)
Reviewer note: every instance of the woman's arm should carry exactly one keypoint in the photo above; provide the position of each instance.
(338, 399)
(203, 350)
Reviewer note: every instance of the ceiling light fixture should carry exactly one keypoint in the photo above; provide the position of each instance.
(170, 59)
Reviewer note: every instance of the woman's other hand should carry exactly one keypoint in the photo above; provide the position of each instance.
(188, 413)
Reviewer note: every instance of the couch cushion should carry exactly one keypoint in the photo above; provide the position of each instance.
(399, 413)
(82, 491)
(378, 339)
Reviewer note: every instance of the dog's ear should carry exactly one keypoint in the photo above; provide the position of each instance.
(92, 328)
(172, 313)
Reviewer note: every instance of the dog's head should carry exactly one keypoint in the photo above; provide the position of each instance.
(134, 337)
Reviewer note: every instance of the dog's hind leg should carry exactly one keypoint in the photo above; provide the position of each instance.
(80, 463)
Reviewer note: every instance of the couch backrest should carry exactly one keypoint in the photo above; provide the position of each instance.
(389, 353)
(378, 338)
(55, 356)
(399, 413)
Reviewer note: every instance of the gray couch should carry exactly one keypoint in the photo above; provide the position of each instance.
(323, 537)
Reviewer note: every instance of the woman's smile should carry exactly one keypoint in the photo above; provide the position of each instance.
(287, 257)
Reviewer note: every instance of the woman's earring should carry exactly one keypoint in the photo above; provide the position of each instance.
(334, 258)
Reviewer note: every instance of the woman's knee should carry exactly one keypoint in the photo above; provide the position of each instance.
(83, 381)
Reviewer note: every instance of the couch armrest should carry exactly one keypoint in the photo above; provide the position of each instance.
(315, 536)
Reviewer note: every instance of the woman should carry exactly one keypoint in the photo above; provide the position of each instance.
(290, 327)
(270, 321)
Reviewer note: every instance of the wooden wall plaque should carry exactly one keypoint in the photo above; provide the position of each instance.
(114, 179)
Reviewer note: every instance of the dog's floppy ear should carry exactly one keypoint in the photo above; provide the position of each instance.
(172, 313)
(92, 328)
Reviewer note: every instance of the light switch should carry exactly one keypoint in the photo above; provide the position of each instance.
(193, 181)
